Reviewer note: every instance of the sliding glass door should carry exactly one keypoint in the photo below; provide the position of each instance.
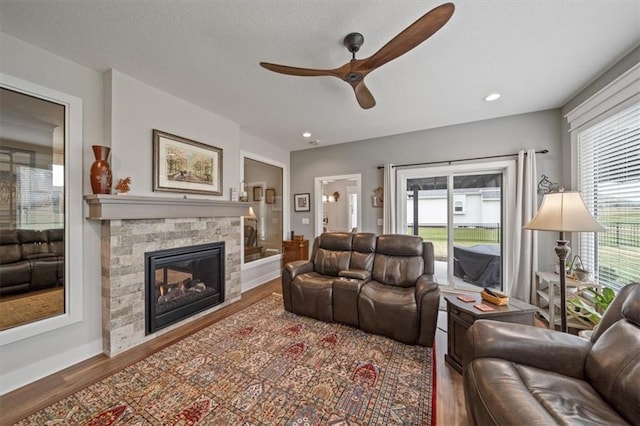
(461, 211)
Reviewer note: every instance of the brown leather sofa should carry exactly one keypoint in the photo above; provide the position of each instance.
(523, 375)
(381, 284)
(31, 260)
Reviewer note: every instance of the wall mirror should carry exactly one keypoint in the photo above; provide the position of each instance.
(38, 128)
(262, 229)
(338, 207)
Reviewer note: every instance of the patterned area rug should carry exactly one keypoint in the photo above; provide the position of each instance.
(31, 307)
(262, 366)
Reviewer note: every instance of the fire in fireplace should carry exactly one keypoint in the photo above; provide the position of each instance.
(181, 282)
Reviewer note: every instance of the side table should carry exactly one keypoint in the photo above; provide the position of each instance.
(461, 315)
(547, 286)
(295, 250)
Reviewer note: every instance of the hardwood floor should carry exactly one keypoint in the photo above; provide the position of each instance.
(22, 402)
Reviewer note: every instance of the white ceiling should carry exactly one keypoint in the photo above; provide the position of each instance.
(537, 54)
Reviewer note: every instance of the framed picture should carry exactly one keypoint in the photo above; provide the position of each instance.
(301, 202)
(270, 196)
(377, 199)
(184, 165)
(257, 193)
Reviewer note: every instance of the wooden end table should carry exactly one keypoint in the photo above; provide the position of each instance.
(461, 315)
(295, 250)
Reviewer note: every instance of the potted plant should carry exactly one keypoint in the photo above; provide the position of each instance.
(592, 313)
(577, 270)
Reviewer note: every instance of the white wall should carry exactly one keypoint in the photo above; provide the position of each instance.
(30, 359)
(137, 108)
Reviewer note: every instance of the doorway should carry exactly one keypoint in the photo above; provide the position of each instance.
(337, 203)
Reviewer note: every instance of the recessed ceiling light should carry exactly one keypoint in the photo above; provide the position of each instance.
(306, 135)
(492, 97)
(315, 142)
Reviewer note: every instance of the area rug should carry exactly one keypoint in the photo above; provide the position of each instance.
(262, 366)
(31, 307)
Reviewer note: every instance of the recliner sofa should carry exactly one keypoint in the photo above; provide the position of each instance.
(31, 260)
(382, 284)
(522, 375)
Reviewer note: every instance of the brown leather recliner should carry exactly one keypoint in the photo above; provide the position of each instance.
(517, 374)
(31, 260)
(310, 287)
(346, 289)
(401, 300)
(384, 285)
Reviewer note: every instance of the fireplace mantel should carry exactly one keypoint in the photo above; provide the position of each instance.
(113, 207)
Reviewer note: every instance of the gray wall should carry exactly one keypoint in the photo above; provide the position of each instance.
(539, 130)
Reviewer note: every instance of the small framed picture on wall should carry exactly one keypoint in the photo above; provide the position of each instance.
(257, 193)
(270, 196)
(301, 202)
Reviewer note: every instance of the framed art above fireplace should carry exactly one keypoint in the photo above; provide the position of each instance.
(184, 165)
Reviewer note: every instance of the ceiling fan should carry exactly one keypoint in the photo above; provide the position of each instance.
(354, 71)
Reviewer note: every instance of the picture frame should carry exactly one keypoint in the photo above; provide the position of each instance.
(270, 196)
(184, 165)
(257, 193)
(377, 199)
(302, 202)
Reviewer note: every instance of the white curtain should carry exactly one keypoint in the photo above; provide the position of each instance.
(525, 242)
(389, 197)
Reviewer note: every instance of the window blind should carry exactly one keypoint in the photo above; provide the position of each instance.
(609, 180)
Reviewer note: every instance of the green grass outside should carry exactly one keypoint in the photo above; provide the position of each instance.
(461, 237)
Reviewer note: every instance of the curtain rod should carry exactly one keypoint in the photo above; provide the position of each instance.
(544, 151)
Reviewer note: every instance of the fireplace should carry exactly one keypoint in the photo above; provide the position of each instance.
(181, 282)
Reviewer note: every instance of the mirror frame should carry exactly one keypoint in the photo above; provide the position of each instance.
(73, 221)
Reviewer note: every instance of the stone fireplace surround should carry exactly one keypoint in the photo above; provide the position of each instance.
(133, 225)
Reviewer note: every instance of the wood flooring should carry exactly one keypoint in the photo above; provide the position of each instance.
(22, 402)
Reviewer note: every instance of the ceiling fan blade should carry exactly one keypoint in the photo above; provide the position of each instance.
(412, 36)
(363, 95)
(301, 72)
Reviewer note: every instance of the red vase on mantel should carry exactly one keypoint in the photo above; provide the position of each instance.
(101, 176)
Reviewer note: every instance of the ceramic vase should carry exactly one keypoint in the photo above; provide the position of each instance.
(101, 176)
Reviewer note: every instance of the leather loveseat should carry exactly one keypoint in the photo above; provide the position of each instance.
(523, 375)
(31, 260)
(381, 284)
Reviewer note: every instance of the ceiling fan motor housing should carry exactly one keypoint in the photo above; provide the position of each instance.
(353, 42)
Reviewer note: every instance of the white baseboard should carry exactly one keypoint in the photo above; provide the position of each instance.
(29, 374)
(248, 285)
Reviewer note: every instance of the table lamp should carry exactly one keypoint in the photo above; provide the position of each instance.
(563, 212)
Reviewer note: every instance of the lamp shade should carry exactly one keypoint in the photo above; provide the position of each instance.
(564, 212)
(252, 214)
